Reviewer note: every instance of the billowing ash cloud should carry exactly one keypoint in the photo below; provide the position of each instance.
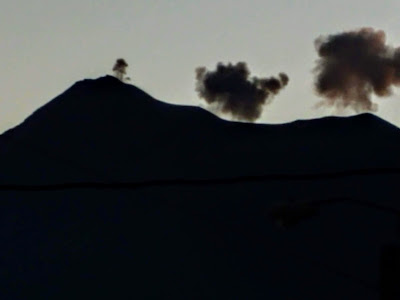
(355, 65)
(232, 90)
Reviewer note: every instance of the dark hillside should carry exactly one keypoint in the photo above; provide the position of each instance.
(107, 130)
(106, 192)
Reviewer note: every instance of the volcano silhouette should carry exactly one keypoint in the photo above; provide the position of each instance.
(105, 130)
(108, 192)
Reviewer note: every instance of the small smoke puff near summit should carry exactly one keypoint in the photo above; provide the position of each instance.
(233, 91)
(354, 65)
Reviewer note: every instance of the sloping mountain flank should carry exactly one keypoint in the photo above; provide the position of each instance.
(104, 130)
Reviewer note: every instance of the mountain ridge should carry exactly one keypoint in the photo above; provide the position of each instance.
(117, 132)
(65, 238)
(107, 81)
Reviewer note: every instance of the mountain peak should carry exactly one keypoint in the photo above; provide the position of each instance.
(104, 80)
(103, 129)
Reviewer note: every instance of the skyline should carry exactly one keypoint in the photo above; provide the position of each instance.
(234, 174)
(51, 45)
(107, 191)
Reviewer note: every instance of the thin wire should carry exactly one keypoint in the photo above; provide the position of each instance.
(196, 182)
(110, 184)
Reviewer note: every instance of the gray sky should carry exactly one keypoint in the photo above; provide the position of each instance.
(47, 45)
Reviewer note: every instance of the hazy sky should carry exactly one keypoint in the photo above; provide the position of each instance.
(47, 45)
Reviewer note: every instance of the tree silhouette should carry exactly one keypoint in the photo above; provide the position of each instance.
(120, 69)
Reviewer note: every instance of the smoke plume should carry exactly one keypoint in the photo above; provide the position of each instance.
(120, 69)
(233, 91)
(355, 65)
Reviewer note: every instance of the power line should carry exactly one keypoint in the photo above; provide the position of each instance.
(199, 181)
(108, 183)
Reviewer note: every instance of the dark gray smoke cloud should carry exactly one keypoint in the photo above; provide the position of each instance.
(231, 88)
(120, 69)
(355, 65)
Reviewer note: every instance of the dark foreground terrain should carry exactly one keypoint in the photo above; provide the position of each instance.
(106, 192)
